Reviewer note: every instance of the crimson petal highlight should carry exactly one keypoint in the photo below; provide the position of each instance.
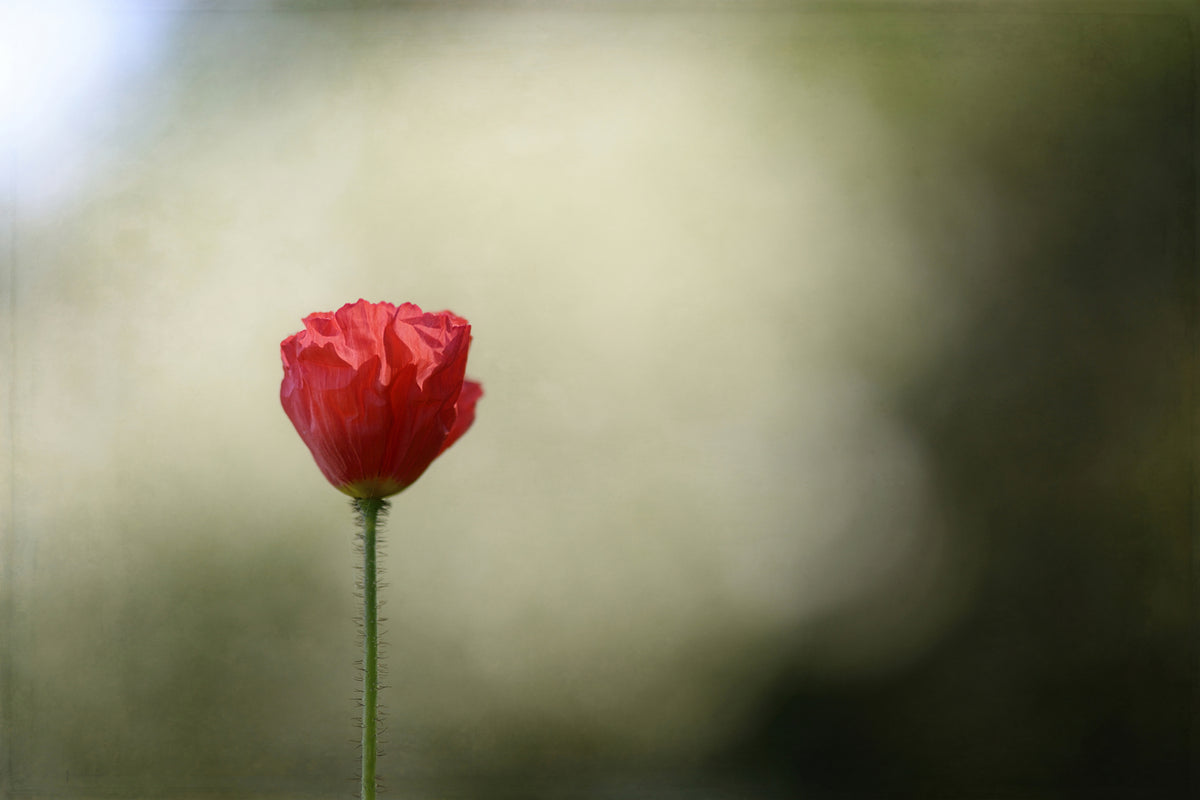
(377, 392)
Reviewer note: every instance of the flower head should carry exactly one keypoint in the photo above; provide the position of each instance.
(377, 392)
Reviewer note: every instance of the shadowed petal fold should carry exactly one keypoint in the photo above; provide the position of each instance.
(377, 392)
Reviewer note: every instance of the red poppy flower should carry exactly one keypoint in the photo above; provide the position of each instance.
(377, 392)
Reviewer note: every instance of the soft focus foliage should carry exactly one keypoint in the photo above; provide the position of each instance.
(839, 426)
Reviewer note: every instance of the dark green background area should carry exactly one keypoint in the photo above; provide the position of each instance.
(1061, 422)
(1042, 160)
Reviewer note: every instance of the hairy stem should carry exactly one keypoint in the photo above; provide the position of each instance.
(368, 510)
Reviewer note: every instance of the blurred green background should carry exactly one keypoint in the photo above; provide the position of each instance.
(839, 429)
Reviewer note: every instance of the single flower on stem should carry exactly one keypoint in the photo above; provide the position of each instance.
(377, 392)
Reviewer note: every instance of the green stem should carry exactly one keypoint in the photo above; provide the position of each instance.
(369, 510)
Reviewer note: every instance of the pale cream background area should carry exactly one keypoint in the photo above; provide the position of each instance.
(691, 289)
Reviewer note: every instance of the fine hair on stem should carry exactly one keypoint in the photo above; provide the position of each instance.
(369, 512)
